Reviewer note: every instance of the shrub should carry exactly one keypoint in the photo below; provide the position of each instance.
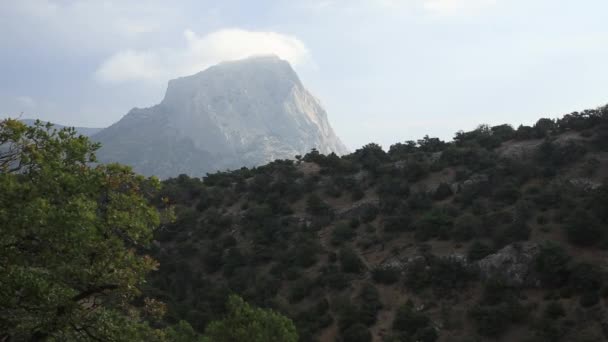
(491, 321)
(435, 223)
(370, 304)
(582, 229)
(554, 310)
(350, 261)
(442, 192)
(386, 275)
(552, 265)
(466, 227)
(356, 333)
(411, 323)
(586, 277)
(341, 233)
(589, 299)
(316, 206)
(478, 251)
(301, 289)
(395, 224)
(369, 213)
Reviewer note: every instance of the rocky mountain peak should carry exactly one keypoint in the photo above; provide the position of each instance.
(238, 113)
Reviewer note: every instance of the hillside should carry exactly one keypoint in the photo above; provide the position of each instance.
(239, 113)
(501, 234)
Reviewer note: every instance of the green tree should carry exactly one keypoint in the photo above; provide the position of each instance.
(182, 332)
(247, 323)
(70, 240)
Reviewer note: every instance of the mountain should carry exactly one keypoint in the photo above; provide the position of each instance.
(240, 113)
(86, 131)
(499, 235)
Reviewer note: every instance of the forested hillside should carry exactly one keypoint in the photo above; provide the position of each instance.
(501, 234)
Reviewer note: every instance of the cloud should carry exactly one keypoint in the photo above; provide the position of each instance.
(431, 6)
(131, 65)
(25, 101)
(451, 6)
(199, 52)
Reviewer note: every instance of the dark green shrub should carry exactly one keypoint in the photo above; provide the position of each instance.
(589, 299)
(370, 304)
(341, 233)
(356, 333)
(350, 261)
(554, 310)
(397, 224)
(369, 213)
(583, 229)
(316, 206)
(466, 227)
(586, 277)
(478, 250)
(435, 223)
(491, 321)
(301, 289)
(409, 321)
(442, 192)
(386, 275)
(552, 265)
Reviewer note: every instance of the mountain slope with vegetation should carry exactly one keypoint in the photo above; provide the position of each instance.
(501, 234)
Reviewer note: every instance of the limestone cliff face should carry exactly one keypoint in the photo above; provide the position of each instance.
(240, 113)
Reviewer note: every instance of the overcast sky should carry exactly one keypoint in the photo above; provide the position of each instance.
(386, 70)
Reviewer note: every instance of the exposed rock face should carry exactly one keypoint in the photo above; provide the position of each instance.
(512, 265)
(235, 114)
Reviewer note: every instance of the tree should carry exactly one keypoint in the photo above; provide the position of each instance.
(247, 323)
(70, 240)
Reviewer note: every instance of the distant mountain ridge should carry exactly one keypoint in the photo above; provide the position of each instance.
(240, 113)
(86, 131)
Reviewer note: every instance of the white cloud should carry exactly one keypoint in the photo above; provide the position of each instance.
(451, 6)
(199, 53)
(131, 65)
(26, 102)
(432, 6)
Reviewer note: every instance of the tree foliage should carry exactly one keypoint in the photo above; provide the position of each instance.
(71, 237)
(247, 323)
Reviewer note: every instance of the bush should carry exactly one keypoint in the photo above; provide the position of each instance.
(466, 227)
(369, 213)
(552, 265)
(589, 299)
(350, 261)
(316, 206)
(554, 310)
(386, 275)
(301, 289)
(491, 321)
(442, 192)
(478, 251)
(356, 333)
(586, 277)
(583, 229)
(370, 304)
(341, 233)
(413, 324)
(435, 223)
(396, 224)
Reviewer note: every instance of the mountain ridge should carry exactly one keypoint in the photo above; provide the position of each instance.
(238, 113)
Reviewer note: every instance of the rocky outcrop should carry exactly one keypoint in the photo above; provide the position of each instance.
(513, 265)
(240, 113)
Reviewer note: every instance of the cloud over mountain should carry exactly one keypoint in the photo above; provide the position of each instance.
(198, 53)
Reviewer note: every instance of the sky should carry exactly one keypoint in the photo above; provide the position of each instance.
(386, 71)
